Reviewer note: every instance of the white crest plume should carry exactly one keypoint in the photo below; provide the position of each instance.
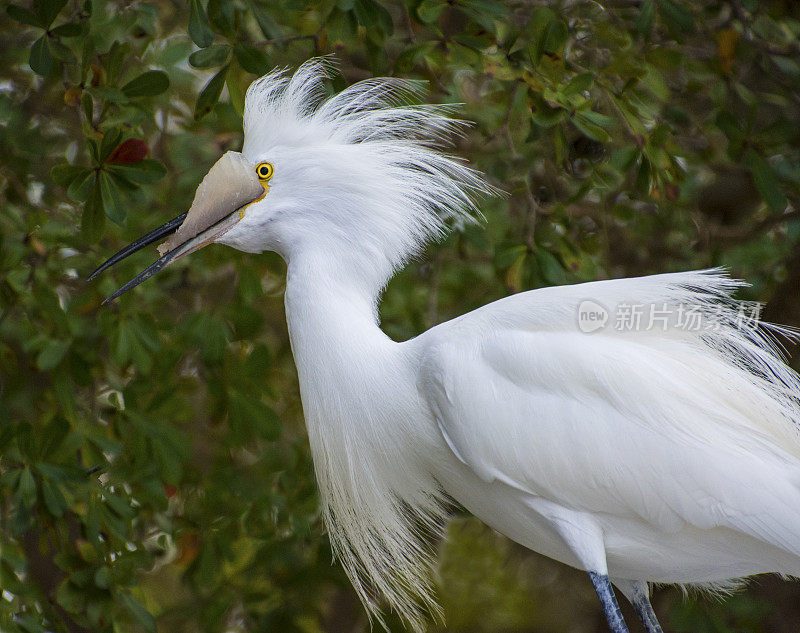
(397, 190)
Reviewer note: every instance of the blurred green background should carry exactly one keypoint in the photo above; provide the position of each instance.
(154, 471)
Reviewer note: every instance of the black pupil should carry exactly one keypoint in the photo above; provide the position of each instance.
(264, 171)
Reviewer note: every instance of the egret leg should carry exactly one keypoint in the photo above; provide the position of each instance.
(584, 537)
(602, 585)
(638, 594)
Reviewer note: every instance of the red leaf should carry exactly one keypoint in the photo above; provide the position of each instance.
(131, 151)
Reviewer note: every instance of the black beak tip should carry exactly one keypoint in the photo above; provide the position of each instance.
(162, 231)
(153, 236)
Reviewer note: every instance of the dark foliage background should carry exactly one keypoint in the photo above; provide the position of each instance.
(154, 470)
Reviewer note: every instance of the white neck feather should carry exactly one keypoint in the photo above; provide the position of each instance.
(361, 405)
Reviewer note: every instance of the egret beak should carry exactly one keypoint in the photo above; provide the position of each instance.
(206, 237)
(219, 203)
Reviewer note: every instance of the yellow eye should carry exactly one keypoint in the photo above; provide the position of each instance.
(265, 171)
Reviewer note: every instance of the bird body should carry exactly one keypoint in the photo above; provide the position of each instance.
(657, 441)
(648, 454)
(664, 450)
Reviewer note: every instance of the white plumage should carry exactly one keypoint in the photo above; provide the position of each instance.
(662, 453)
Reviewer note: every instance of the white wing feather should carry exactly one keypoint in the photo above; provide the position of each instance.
(672, 427)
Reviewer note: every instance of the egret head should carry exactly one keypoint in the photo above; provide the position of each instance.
(356, 176)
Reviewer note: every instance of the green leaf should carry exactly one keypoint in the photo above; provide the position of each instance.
(54, 435)
(87, 105)
(235, 93)
(114, 95)
(116, 57)
(61, 52)
(213, 339)
(51, 354)
(64, 174)
(506, 257)
(26, 488)
(268, 426)
(370, 14)
(148, 84)
(112, 202)
(208, 564)
(644, 19)
(599, 119)
(258, 363)
(140, 356)
(676, 16)
(94, 149)
(70, 597)
(102, 577)
(556, 37)
(210, 93)
(48, 10)
(210, 57)
(118, 503)
(81, 186)
(199, 28)
(405, 61)
(111, 139)
(29, 623)
(269, 27)
(429, 10)
(249, 416)
(746, 95)
(68, 29)
(53, 498)
(766, 181)
(728, 124)
(122, 343)
(252, 59)
(578, 84)
(144, 172)
(341, 26)
(141, 615)
(551, 269)
(545, 116)
(25, 16)
(590, 128)
(366, 12)
(93, 218)
(41, 60)
(476, 44)
(624, 158)
(547, 33)
(492, 15)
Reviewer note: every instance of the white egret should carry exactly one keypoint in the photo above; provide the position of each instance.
(660, 448)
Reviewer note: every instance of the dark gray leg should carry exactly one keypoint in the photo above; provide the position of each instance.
(641, 602)
(602, 585)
